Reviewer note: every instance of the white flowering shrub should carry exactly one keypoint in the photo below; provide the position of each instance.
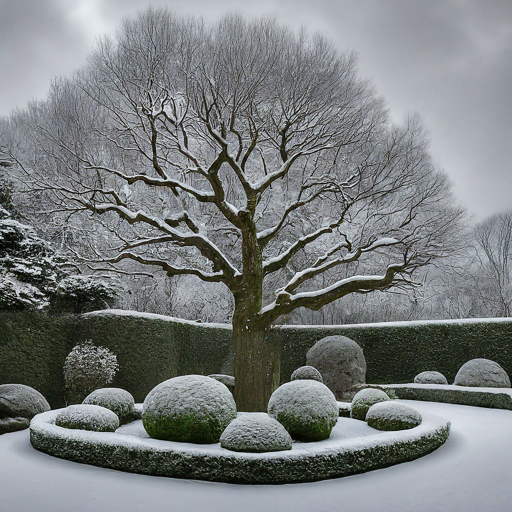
(88, 367)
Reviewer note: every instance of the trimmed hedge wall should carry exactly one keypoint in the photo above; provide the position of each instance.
(153, 348)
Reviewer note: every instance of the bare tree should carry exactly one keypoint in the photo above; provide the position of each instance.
(243, 154)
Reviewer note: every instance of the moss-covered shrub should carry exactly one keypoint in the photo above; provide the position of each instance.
(363, 400)
(87, 417)
(191, 408)
(306, 408)
(430, 378)
(116, 400)
(307, 373)
(392, 416)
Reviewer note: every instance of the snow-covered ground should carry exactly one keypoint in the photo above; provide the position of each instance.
(472, 472)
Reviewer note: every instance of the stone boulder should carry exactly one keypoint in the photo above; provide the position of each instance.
(341, 363)
(88, 417)
(391, 415)
(307, 373)
(255, 432)
(18, 405)
(363, 400)
(190, 409)
(482, 373)
(116, 400)
(430, 378)
(307, 409)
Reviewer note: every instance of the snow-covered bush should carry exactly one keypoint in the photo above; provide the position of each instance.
(33, 274)
(190, 408)
(307, 373)
(255, 432)
(307, 409)
(430, 378)
(89, 367)
(88, 417)
(363, 400)
(81, 294)
(116, 400)
(482, 373)
(392, 415)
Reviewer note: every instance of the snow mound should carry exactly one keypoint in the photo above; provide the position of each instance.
(307, 373)
(256, 432)
(190, 408)
(116, 400)
(87, 417)
(392, 415)
(364, 399)
(430, 378)
(306, 408)
(482, 373)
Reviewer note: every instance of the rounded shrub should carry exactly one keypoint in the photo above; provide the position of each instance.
(255, 432)
(307, 409)
(392, 416)
(307, 373)
(190, 408)
(88, 417)
(116, 400)
(363, 400)
(430, 378)
(482, 373)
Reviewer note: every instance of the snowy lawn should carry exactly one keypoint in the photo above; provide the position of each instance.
(471, 472)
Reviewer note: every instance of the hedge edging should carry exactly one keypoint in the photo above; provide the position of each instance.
(476, 397)
(180, 460)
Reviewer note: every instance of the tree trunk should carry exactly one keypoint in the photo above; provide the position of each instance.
(257, 366)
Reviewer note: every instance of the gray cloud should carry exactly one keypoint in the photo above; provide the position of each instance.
(449, 60)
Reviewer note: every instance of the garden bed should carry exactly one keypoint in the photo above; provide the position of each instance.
(353, 447)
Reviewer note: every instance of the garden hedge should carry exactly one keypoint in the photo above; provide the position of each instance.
(153, 348)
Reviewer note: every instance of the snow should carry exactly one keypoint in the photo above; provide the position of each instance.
(470, 473)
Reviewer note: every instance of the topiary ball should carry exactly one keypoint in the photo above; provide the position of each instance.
(191, 409)
(482, 373)
(430, 378)
(392, 416)
(306, 408)
(88, 417)
(117, 400)
(307, 373)
(363, 400)
(255, 432)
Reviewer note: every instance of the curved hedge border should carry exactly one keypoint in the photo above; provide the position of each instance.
(306, 462)
(493, 398)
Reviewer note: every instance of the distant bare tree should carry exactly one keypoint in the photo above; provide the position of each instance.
(244, 154)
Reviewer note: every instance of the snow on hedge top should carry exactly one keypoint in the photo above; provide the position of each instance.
(116, 400)
(87, 417)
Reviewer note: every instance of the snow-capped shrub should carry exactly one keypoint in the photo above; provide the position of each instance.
(88, 417)
(255, 432)
(116, 400)
(81, 294)
(307, 373)
(363, 400)
(227, 380)
(392, 415)
(306, 408)
(430, 378)
(89, 367)
(482, 373)
(190, 408)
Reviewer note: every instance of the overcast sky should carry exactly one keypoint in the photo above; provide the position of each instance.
(448, 60)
